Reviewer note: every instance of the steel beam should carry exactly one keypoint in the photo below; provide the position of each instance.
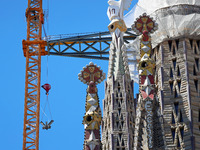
(92, 45)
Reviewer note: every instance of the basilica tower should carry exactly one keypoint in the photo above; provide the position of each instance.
(118, 105)
(176, 49)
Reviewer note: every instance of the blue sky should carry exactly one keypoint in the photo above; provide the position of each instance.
(67, 96)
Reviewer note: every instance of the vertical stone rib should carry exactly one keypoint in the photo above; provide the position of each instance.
(188, 95)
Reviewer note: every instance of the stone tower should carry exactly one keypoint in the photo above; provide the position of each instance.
(176, 49)
(118, 105)
(178, 75)
(92, 75)
(148, 124)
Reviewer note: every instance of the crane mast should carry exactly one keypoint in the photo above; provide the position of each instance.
(34, 48)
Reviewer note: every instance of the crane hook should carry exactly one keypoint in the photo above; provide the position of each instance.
(47, 125)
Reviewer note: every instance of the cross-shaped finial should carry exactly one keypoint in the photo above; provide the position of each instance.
(91, 73)
(144, 24)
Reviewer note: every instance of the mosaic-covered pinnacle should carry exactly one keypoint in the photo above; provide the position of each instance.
(148, 108)
(91, 73)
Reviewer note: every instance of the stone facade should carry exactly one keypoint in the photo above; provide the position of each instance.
(119, 114)
(177, 69)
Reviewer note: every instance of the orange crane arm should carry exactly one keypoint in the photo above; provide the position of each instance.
(33, 48)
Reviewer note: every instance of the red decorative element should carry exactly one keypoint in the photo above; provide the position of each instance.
(144, 23)
(92, 87)
(46, 87)
(145, 35)
(97, 133)
(97, 147)
(87, 147)
(151, 79)
(91, 73)
(139, 29)
(151, 94)
(87, 134)
(144, 95)
(142, 78)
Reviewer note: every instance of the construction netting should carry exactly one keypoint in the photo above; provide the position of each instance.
(175, 19)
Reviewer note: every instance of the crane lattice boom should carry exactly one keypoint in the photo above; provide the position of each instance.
(33, 48)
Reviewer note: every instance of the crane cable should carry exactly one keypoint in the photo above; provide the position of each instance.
(43, 110)
(47, 20)
(47, 101)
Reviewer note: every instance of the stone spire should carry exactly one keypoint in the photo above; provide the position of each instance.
(118, 105)
(148, 126)
(92, 75)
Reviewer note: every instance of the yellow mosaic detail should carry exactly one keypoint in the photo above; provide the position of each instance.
(146, 66)
(97, 74)
(147, 43)
(144, 19)
(116, 23)
(142, 53)
(89, 97)
(91, 69)
(147, 50)
(92, 120)
(138, 25)
(150, 24)
(85, 74)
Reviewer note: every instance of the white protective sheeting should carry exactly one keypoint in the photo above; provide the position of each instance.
(175, 19)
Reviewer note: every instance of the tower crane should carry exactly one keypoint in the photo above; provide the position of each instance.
(34, 48)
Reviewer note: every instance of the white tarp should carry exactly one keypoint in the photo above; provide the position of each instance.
(175, 18)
